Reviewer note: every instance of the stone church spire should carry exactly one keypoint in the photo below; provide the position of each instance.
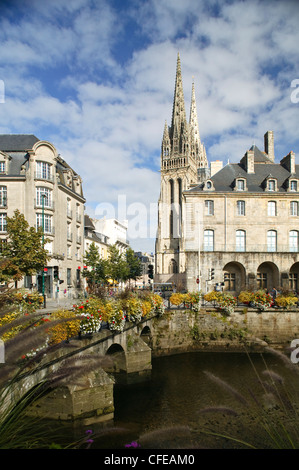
(179, 126)
(197, 148)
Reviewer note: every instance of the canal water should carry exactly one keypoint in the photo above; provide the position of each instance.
(192, 398)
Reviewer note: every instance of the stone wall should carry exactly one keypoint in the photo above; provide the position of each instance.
(184, 331)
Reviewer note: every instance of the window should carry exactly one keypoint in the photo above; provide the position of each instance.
(2, 167)
(271, 240)
(69, 276)
(240, 240)
(294, 208)
(47, 219)
(241, 185)
(271, 185)
(43, 170)
(262, 280)
(293, 186)
(3, 196)
(293, 240)
(271, 208)
(229, 281)
(293, 281)
(208, 240)
(2, 222)
(209, 207)
(240, 207)
(43, 196)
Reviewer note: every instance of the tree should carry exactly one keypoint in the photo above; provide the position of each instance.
(134, 264)
(91, 259)
(24, 252)
(117, 267)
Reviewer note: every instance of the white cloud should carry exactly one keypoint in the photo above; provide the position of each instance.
(66, 81)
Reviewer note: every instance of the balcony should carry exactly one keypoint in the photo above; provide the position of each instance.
(47, 230)
(47, 204)
(44, 177)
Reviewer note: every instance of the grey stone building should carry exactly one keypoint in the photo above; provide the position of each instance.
(241, 221)
(37, 181)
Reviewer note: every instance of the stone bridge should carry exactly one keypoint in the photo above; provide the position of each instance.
(89, 398)
(119, 357)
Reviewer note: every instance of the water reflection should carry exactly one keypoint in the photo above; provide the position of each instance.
(179, 389)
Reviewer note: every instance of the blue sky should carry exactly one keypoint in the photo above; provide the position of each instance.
(96, 79)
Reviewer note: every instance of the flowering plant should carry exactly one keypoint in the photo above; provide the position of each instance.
(116, 318)
(286, 301)
(158, 304)
(227, 302)
(90, 314)
(177, 298)
(193, 298)
(133, 309)
(261, 300)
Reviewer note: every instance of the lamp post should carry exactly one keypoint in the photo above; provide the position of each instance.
(43, 238)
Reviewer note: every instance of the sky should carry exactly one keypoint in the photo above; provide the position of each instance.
(96, 79)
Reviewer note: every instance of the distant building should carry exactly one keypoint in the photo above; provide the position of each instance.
(147, 263)
(37, 181)
(100, 240)
(114, 230)
(240, 220)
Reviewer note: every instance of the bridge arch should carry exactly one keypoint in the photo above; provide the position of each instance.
(118, 357)
(146, 336)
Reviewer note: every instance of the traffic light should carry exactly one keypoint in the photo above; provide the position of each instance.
(56, 274)
(211, 274)
(150, 271)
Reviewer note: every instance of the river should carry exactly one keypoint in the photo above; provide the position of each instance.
(167, 411)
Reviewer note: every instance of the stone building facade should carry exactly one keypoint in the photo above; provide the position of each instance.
(37, 181)
(238, 225)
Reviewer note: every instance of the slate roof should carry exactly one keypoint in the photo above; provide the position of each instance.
(224, 179)
(17, 142)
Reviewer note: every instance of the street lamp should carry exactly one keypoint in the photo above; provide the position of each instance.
(43, 238)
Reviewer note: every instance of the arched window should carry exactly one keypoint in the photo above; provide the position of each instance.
(173, 267)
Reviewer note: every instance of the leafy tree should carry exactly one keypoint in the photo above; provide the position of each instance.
(24, 252)
(117, 267)
(91, 259)
(134, 263)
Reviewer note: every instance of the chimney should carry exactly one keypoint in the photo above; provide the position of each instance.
(269, 144)
(288, 162)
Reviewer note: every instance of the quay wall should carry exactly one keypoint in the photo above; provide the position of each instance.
(208, 330)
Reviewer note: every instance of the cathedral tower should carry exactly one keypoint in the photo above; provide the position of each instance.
(183, 156)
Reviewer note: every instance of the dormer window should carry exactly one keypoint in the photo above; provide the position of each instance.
(240, 184)
(2, 167)
(270, 184)
(208, 185)
(293, 185)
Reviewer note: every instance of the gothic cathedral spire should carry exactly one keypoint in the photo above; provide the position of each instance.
(182, 159)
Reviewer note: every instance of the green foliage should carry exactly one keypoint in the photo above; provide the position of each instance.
(24, 253)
